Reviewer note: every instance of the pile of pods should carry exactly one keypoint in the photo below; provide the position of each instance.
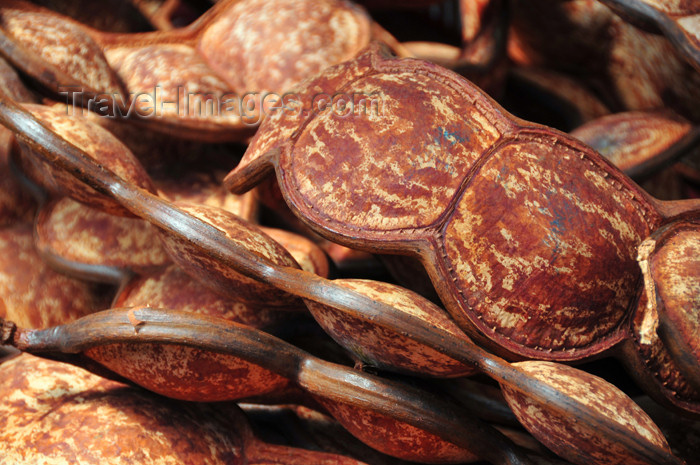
(303, 232)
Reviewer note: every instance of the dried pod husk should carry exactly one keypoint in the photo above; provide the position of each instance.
(221, 279)
(679, 22)
(174, 289)
(559, 433)
(634, 69)
(308, 428)
(308, 255)
(394, 408)
(95, 141)
(670, 261)
(54, 413)
(32, 294)
(56, 51)
(285, 42)
(201, 82)
(552, 277)
(91, 244)
(551, 98)
(648, 361)
(640, 142)
(382, 347)
(186, 372)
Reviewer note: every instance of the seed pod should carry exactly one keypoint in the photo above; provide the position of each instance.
(209, 243)
(308, 255)
(384, 348)
(640, 143)
(57, 51)
(174, 289)
(558, 433)
(31, 293)
(99, 144)
(670, 261)
(54, 413)
(225, 281)
(648, 361)
(149, 333)
(92, 244)
(553, 276)
(201, 82)
(16, 204)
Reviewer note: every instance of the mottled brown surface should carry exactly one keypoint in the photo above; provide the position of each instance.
(220, 278)
(554, 266)
(529, 237)
(186, 373)
(262, 45)
(173, 289)
(61, 44)
(308, 255)
(82, 235)
(631, 138)
(206, 189)
(172, 83)
(31, 294)
(575, 441)
(650, 363)
(97, 142)
(353, 173)
(675, 272)
(395, 438)
(387, 349)
(56, 414)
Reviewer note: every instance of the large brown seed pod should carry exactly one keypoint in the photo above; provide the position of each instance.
(670, 261)
(92, 244)
(31, 293)
(53, 413)
(559, 433)
(528, 235)
(649, 362)
(16, 204)
(382, 347)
